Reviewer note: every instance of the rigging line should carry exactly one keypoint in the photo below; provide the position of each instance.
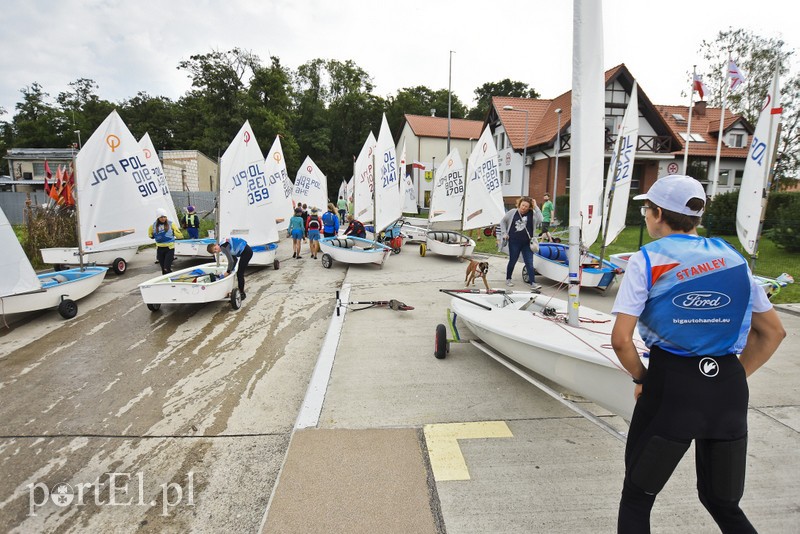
(558, 322)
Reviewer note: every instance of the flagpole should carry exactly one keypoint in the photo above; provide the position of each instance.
(715, 178)
(689, 125)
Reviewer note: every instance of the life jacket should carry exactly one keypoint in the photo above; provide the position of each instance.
(699, 301)
(235, 245)
(164, 234)
(358, 229)
(191, 221)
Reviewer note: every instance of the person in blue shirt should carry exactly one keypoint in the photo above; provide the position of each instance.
(236, 251)
(330, 222)
(708, 326)
(297, 229)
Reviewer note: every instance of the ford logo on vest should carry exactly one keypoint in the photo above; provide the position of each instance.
(701, 300)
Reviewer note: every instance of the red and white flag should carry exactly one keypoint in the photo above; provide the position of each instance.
(699, 86)
(418, 165)
(736, 76)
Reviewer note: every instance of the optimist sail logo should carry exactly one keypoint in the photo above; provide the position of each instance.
(701, 300)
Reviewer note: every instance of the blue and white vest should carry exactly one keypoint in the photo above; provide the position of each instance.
(236, 245)
(699, 302)
(163, 236)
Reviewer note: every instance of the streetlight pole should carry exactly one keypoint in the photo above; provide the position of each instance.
(524, 147)
(558, 152)
(78, 133)
(449, 98)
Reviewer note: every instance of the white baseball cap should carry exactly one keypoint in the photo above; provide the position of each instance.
(673, 192)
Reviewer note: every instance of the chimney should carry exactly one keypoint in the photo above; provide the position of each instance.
(700, 108)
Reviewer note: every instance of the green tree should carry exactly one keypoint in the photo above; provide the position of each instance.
(506, 87)
(213, 112)
(37, 123)
(154, 115)
(82, 109)
(757, 57)
(420, 100)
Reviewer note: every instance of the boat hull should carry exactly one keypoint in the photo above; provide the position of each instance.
(72, 284)
(354, 250)
(620, 259)
(194, 248)
(447, 243)
(578, 359)
(69, 256)
(177, 287)
(551, 262)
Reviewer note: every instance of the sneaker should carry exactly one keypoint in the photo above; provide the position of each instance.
(536, 287)
(299, 256)
(294, 254)
(156, 262)
(509, 283)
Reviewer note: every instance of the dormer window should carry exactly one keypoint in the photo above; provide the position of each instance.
(736, 140)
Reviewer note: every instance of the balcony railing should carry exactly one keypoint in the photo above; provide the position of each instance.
(657, 144)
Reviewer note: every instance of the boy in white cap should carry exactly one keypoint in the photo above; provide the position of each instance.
(697, 308)
(165, 233)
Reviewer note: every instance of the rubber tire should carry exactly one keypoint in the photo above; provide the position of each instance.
(119, 266)
(236, 299)
(441, 344)
(327, 260)
(68, 308)
(396, 250)
(423, 248)
(58, 267)
(276, 265)
(153, 307)
(525, 277)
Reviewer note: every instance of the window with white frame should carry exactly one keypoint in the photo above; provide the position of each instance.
(736, 140)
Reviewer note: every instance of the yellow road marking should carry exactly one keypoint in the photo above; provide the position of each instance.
(444, 452)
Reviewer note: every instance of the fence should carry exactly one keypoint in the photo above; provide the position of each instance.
(13, 203)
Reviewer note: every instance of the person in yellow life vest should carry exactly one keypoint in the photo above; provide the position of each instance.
(191, 222)
(165, 233)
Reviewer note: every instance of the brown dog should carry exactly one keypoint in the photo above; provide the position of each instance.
(477, 269)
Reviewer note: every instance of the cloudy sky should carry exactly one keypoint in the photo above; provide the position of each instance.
(135, 45)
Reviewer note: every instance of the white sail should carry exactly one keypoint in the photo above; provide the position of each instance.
(620, 170)
(364, 182)
(311, 186)
(280, 187)
(753, 194)
(16, 274)
(409, 195)
(483, 199)
(154, 164)
(117, 195)
(351, 190)
(588, 120)
(388, 203)
(342, 190)
(245, 204)
(401, 165)
(448, 190)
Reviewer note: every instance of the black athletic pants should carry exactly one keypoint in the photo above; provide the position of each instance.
(165, 256)
(681, 401)
(244, 261)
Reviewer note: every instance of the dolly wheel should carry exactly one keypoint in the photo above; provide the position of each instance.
(119, 265)
(154, 307)
(68, 308)
(327, 260)
(525, 277)
(276, 265)
(441, 346)
(236, 299)
(422, 249)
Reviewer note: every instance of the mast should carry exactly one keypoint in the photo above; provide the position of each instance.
(77, 212)
(588, 104)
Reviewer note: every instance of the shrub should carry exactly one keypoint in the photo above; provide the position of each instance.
(50, 226)
(784, 231)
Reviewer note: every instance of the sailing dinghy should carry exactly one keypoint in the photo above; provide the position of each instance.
(116, 201)
(377, 188)
(756, 184)
(531, 329)
(596, 271)
(22, 290)
(447, 204)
